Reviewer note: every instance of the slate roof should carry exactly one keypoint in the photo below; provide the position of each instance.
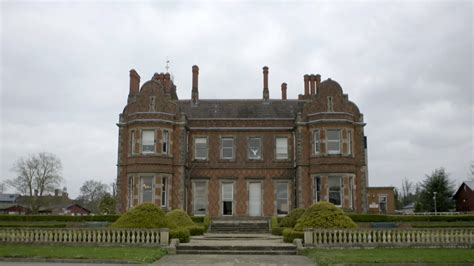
(242, 108)
(8, 198)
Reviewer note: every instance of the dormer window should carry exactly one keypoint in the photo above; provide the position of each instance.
(152, 103)
(330, 104)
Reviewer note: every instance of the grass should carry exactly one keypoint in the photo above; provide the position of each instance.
(391, 255)
(130, 254)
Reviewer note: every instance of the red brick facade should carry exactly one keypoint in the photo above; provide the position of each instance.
(303, 150)
(464, 197)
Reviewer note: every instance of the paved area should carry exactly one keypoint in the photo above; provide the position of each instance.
(233, 260)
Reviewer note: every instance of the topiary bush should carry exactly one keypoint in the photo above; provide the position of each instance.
(145, 215)
(324, 215)
(178, 218)
(289, 235)
(180, 233)
(291, 218)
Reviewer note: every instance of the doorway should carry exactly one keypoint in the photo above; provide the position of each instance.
(255, 199)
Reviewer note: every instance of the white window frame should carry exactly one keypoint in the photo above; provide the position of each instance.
(231, 148)
(333, 191)
(231, 199)
(130, 191)
(165, 147)
(328, 141)
(287, 198)
(349, 138)
(351, 192)
(143, 140)
(164, 191)
(201, 197)
(142, 188)
(317, 141)
(278, 155)
(205, 141)
(133, 142)
(250, 154)
(380, 196)
(330, 104)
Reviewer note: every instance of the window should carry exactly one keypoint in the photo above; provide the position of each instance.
(335, 190)
(383, 204)
(349, 137)
(164, 191)
(227, 148)
(200, 198)
(282, 198)
(330, 104)
(132, 142)
(146, 189)
(255, 148)
(317, 142)
(334, 141)
(317, 189)
(282, 148)
(166, 141)
(351, 196)
(130, 191)
(148, 141)
(227, 198)
(200, 148)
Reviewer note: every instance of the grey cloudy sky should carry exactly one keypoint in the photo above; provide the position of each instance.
(408, 66)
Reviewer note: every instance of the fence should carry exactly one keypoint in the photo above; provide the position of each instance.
(389, 238)
(103, 236)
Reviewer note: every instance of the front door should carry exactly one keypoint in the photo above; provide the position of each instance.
(227, 198)
(255, 199)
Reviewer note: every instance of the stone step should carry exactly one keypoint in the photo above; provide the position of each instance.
(237, 252)
(239, 226)
(238, 249)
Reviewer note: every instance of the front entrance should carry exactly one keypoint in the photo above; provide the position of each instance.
(255, 199)
(227, 199)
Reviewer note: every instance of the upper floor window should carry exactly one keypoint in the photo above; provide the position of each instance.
(334, 141)
(335, 190)
(282, 148)
(255, 148)
(166, 141)
(148, 141)
(349, 137)
(132, 142)
(227, 148)
(200, 148)
(317, 141)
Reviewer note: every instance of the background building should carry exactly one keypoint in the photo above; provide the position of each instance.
(251, 157)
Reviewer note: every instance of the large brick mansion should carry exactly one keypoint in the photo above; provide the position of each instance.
(252, 157)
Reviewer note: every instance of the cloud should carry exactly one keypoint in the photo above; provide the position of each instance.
(408, 66)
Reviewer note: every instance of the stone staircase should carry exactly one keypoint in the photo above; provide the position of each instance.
(239, 226)
(243, 244)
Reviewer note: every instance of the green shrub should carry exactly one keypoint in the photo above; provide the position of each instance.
(33, 225)
(206, 222)
(195, 230)
(324, 215)
(289, 235)
(58, 218)
(278, 231)
(146, 215)
(180, 233)
(198, 219)
(291, 218)
(369, 218)
(178, 218)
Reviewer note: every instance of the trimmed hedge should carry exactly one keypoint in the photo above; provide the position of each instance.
(23, 225)
(178, 218)
(324, 215)
(195, 230)
(291, 218)
(58, 218)
(202, 220)
(146, 215)
(289, 235)
(368, 218)
(180, 233)
(275, 228)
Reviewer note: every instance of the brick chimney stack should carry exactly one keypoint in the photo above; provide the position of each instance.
(312, 84)
(283, 91)
(266, 94)
(134, 82)
(195, 91)
(318, 81)
(306, 85)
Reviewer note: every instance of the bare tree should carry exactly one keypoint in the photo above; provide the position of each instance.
(3, 186)
(91, 192)
(471, 171)
(407, 187)
(36, 175)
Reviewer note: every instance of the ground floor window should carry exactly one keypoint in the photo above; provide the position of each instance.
(146, 189)
(317, 189)
(282, 198)
(227, 198)
(335, 190)
(200, 197)
(351, 192)
(164, 191)
(130, 191)
(383, 204)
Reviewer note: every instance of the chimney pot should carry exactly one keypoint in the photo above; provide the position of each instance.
(283, 91)
(318, 82)
(266, 94)
(134, 82)
(306, 84)
(312, 84)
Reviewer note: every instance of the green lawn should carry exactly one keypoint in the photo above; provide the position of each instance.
(391, 255)
(131, 254)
